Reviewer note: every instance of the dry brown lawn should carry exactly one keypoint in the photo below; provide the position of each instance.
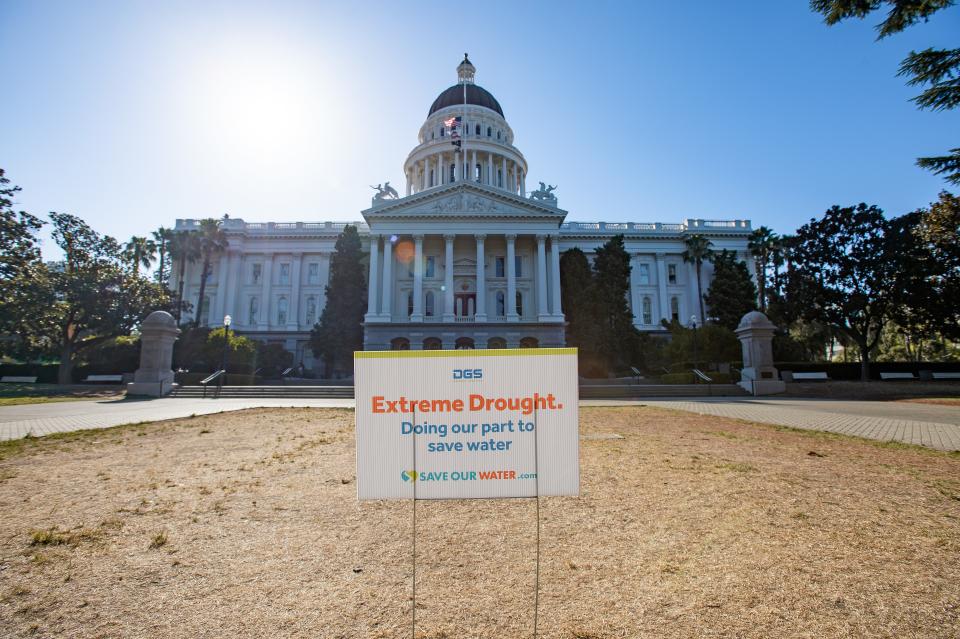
(247, 525)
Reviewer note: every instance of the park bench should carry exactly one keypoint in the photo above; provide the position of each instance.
(18, 379)
(813, 376)
(94, 379)
(951, 375)
(896, 376)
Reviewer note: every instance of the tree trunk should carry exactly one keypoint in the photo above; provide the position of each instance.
(203, 290)
(864, 361)
(65, 370)
(183, 265)
(162, 264)
(700, 295)
(761, 268)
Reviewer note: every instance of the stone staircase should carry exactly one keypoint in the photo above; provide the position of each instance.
(587, 391)
(286, 392)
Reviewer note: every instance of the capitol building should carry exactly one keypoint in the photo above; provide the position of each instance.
(465, 257)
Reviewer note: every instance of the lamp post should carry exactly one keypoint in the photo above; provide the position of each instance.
(693, 325)
(226, 345)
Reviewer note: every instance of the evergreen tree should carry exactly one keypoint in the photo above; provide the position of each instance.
(20, 263)
(731, 294)
(576, 297)
(340, 330)
(212, 240)
(617, 339)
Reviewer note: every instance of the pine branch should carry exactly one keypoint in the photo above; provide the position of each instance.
(939, 68)
(946, 165)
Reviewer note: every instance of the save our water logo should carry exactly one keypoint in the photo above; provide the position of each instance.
(408, 475)
(464, 475)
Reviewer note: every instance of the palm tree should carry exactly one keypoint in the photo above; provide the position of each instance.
(699, 250)
(761, 245)
(212, 240)
(162, 237)
(139, 251)
(184, 247)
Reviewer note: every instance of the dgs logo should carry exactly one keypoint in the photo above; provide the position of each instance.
(468, 373)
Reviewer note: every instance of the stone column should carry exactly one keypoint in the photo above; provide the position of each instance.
(372, 281)
(481, 314)
(387, 309)
(417, 315)
(158, 332)
(511, 279)
(503, 169)
(426, 174)
(293, 317)
(265, 291)
(448, 278)
(490, 169)
(542, 313)
(663, 304)
(441, 174)
(555, 275)
(473, 166)
(758, 376)
(523, 184)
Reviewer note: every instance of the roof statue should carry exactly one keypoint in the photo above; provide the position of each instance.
(385, 192)
(544, 193)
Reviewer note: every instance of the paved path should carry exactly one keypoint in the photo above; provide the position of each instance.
(923, 424)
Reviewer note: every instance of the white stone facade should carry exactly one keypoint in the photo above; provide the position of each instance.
(454, 263)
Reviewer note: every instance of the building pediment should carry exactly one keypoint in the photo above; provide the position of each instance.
(463, 200)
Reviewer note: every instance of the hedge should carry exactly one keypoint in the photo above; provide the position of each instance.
(851, 371)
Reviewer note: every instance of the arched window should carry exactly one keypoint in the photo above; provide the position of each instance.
(204, 311)
(519, 304)
(647, 311)
(400, 344)
(428, 304)
(529, 342)
(410, 303)
(498, 135)
(675, 309)
(501, 311)
(489, 132)
(432, 344)
(478, 130)
(442, 134)
(496, 342)
(432, 183)
(311, 311)
(253, 309)
(464, 343)
(282, 305)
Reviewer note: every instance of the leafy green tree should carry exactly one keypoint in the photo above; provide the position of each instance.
(340, 330)
(87, 300)
(846, 274)
(938, 229)
(617, 338)
(241, 353)
(576, 298)
(212, 240)
(936, 69)
(699, 250)
(761, 245)
(161, 238)
(185, 249)
(20, 262)
(731, 294)
(139, 251)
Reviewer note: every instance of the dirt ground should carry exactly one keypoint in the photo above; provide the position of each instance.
(247, 525)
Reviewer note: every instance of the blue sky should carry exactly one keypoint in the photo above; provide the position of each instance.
(132, 114)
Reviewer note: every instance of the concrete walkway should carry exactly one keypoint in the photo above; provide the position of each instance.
(924, 424)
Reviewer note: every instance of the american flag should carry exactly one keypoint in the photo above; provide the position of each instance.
(452, 123)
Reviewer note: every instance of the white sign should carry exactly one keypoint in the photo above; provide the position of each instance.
(467, 423)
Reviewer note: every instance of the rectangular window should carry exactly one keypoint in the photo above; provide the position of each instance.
(431, 269)
(499, 266)
(255, 272)
(284, 273)
(672, 273)
(518, 266)
(313, 273)
(644, 274)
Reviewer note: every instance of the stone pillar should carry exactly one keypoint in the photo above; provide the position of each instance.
(663, 304)
(265, 291)
(758, 376)
(503, 169)
(555, 275)
(386, 311)
(293, 317)
(158, 332)
(473, 166)
(426, 173)
(417, 315)
(441, 174)
(490, 169)
(481, 314)
(542, 313)
(511, 279)
(448, 278)
(523, 184)
(372, 281)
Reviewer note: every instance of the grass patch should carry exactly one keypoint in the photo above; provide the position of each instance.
(738, 467)
(159, 540)
(32, 443)
(55, 537)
